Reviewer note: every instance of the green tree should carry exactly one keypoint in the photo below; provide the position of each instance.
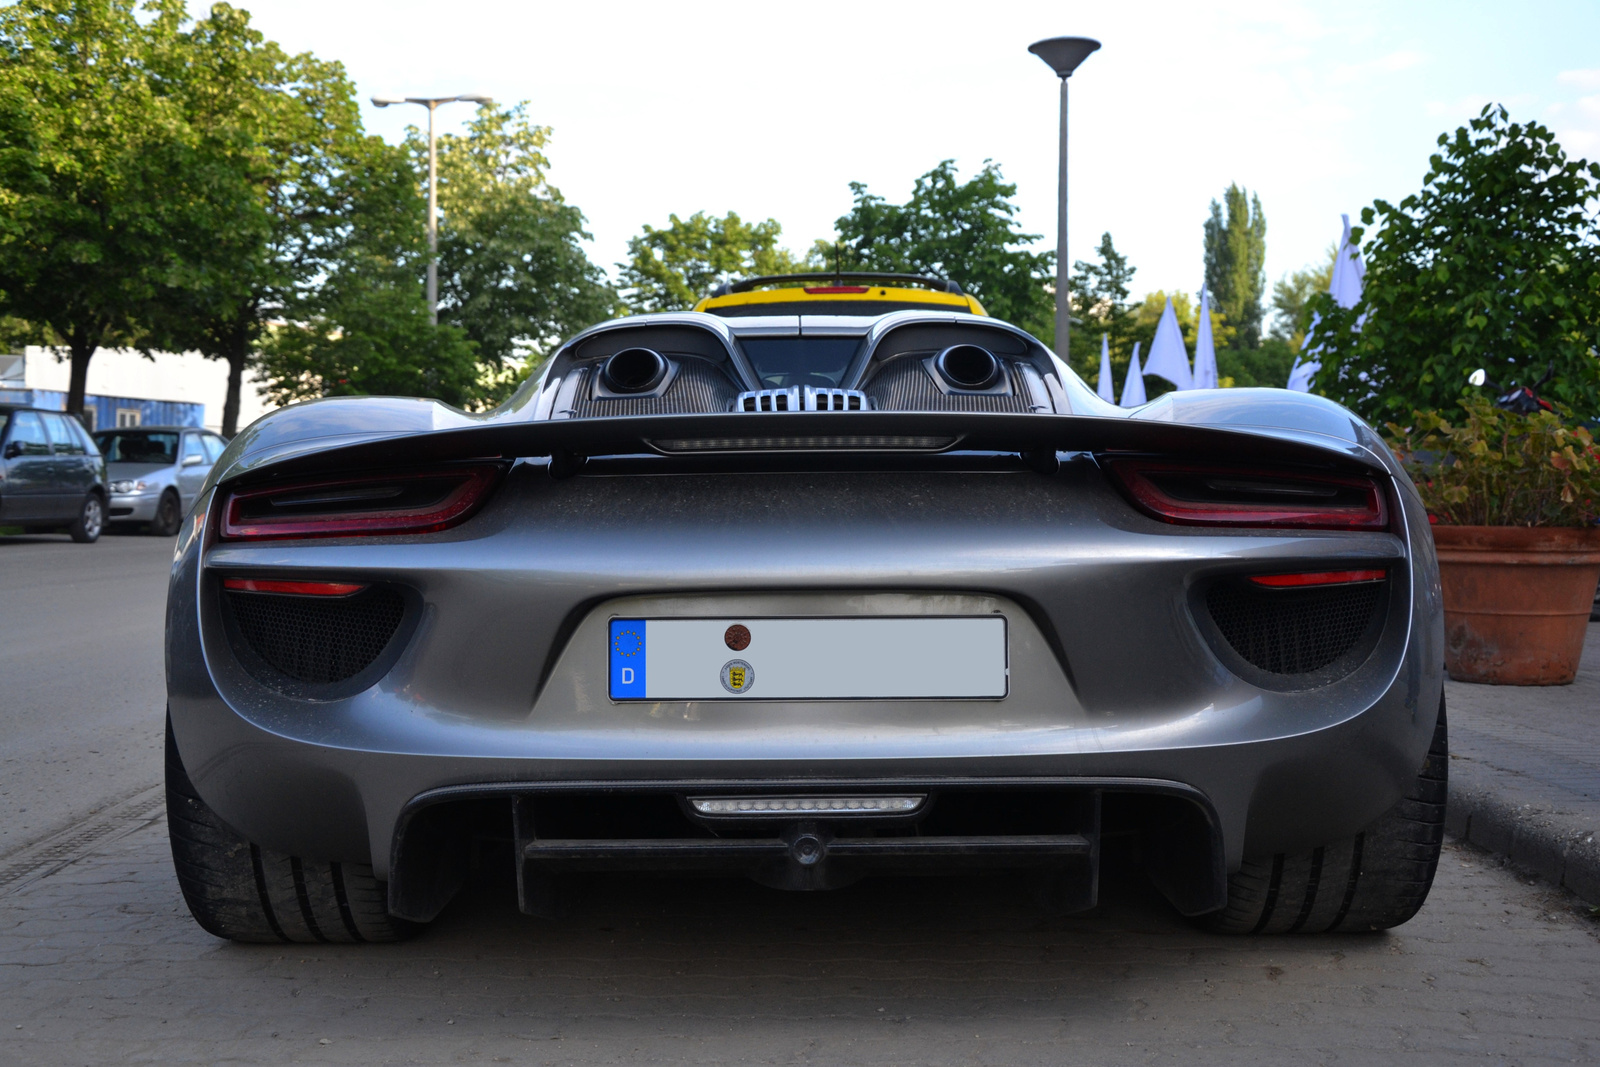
(513, 275)
(1495, 263)
(674, 267)
(1236, 255)
(963, 231)
(112, 194)
(361, 324)
(1101, 307)
(295, 119)
(1291, 300)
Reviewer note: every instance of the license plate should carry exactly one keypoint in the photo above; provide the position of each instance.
(848, 658)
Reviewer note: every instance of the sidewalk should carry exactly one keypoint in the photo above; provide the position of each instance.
(1525, 773)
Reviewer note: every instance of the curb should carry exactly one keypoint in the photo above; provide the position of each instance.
(1494, 810)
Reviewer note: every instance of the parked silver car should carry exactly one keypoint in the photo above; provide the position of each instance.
(807, 597)
(156, 472)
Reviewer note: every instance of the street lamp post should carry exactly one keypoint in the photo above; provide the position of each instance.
(1063, 54)
(432, 104)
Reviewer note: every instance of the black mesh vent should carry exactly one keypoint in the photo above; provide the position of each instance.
(1293, 631)
(318, 640)
(904, 384)
(698, 388)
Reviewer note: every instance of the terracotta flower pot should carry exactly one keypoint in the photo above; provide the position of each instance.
(1516, 601)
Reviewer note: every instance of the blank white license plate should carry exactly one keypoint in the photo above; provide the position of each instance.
(849, 658)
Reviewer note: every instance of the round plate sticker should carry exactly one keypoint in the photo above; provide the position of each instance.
(737, 637)
(738, 676)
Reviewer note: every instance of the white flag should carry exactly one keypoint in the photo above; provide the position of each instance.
(1107, 391)
(1168, 358)
(1133, 388)
(1205, 353)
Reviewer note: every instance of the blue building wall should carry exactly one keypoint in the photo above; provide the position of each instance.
(151, 412)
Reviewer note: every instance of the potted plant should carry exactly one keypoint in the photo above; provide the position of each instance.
(1513, 499)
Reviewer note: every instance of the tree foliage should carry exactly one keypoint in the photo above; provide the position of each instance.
(513, 275)
(672, 268)
(1494, 263)
(361, 324)
(119, 170)
(1236, 255)
(1291, 299)
(1102, 307)
(963, 231)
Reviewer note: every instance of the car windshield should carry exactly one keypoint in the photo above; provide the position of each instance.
(138, 447)
(782, 362)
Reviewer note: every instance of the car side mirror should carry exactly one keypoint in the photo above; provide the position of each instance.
(13, 449)
(193, 461)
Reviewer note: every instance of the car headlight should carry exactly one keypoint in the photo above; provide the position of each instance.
(128, 485)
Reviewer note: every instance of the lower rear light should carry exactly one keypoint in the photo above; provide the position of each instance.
(1196, 495)
(410, 502)
(1312, 578)
(273, 585)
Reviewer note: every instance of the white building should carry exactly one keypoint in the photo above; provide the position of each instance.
(127, 389)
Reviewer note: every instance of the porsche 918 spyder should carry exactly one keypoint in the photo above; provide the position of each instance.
(834, 577)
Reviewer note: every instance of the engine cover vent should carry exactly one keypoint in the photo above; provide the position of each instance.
(1296, 632)
(802, 398)
(317, 640)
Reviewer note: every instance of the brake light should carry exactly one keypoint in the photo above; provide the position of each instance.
(1312, 578)
(1195, 495)
(411, 502)
(273, 585)
(822, 290)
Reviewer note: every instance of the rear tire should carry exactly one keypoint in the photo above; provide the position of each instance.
(85, 529)
(169, 515)
(1373, 881)
(238, 890)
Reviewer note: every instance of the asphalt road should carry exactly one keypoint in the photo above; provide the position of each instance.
(100, 962)
(82, 693)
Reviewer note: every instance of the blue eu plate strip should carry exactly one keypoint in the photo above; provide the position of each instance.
(627, 659)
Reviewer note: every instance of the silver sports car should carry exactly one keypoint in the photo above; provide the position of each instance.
(806, 590)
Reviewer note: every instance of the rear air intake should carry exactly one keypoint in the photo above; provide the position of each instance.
(1296, 630)
(317, 639)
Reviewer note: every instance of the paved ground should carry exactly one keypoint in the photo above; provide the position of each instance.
(99, 962)
(1525, 770)
(82, 691)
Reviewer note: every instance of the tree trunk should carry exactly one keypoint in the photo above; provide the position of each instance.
(230, 407)
(82, 349)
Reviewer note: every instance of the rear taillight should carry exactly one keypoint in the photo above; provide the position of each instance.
(283, 588)
(410, 502)
(1309, 579)
(1196, 495)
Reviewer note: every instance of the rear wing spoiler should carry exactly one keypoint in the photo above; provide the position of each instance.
(259, 454)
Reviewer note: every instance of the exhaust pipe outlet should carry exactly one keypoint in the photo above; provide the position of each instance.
(968, 367)
(634, 370)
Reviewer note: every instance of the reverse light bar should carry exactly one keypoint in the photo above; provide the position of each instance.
(409, 502)
(856, 805)
(1195, 495)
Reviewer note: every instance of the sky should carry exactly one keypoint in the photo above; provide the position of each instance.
(771, 110)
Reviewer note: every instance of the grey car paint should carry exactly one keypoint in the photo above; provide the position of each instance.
(501, 684)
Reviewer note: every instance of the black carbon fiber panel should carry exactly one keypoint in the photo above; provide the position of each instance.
(904, 384)
(698, 388)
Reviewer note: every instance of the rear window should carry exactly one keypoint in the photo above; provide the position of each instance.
(782, 362)
(122, 446)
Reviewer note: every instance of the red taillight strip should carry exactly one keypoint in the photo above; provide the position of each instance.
(1133, 476)
(1296, 581)
(455, 507)
(274, 585)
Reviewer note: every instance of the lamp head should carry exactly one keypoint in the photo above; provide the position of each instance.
(476, 98)
(385, 101)
(1064, 53)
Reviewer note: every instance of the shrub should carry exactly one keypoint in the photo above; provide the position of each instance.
(1496, 468)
